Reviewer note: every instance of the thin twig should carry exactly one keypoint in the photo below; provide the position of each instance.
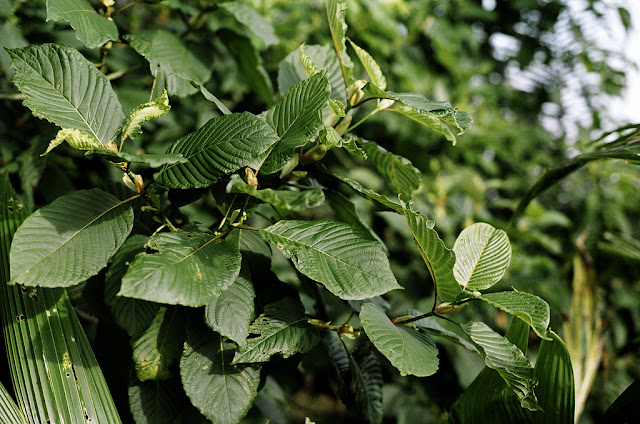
(13, 97)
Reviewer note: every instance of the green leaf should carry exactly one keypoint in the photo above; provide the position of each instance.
(348, 262)
(482, 256)
(221, 391)
(260, 31)
(403, 176)
(428, 120)
(370, 66)
(230, 312)
(55, 375)
(410, 351)
(501, 355)
(336, 10)
(222, 146)
(133, 315)
(296, 119)
(283, 200)
(159, 346)
(250, 64)
(340, 359)
(282, 329)
(9, 411)
(81, 230)
(91, 28)
(158, 402)
(345, 210)
(441, 111)
(381, 201)
(76, 139)
(171, 63)
(291, 70)
(439, 260)
(209, 96)
(624, 408)
(309, 67)
(434, 326)
(367, 371)
(153, 160)
(188, 268)
(528, 307)
(65, 88)
(143, 113)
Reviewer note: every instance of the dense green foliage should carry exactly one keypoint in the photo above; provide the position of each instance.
(273, 210)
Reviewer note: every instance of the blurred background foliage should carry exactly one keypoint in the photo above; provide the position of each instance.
(537, 82)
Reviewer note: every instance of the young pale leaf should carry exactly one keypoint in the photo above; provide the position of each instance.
(367, 371)
(291, 70)
(222, 146)
(336, 10)
(483, 254)
(501, 355)
(188, 268)
(81, 230)
(282, 329)
(260, 30)
(76, 139)
(348, 262)
(403, 176)
(371, 66)
(410, 351)
(91, 28)
(65, 88)
(283, 200)
(307, 63)
(528, 307)
(143, 113)
(159, 346)
(133, 315)
(230, 312)
(222, 392)
(440, 260)
(171, 63)
(296, 119)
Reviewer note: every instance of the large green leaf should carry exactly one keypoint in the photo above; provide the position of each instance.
(433, 111)
(366, 369)
(410, 351)
(230, 312)
(403, 176)
(336, 10)
(483, 254)
(161, 402)
(283, 200)
(345, 210)
(81, 230)
(186, 268)
(348, 262)
(503, 356)
(55, 375)
(91, 28)
(133, 315)
(340, 358)
(260, 31)
(296, 119)
(221, 391)
(65, 88)
(282, 329)
(159, 346)
(222, 146)
(291, 70)
(171, 63)
(440, 260)
(9, 411)
(528, 307)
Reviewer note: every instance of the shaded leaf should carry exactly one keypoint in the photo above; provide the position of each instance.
(403, 176)
(368, 377)
(340, 360)
(187, 268)
(133, 315)
(230, 312)
(282, 329)
(222, 146)
(260, 30)
(381, 201)
(284, 200)
(624, 408)
(90, 27)
(410, 351)
(439, 259)
(153, 160)
(81, 230)
(65, 88)
(528, 307)
(349, 263)
(209, 96)
(435, 326)
(501, 355)
(161, 402)
(222, 392)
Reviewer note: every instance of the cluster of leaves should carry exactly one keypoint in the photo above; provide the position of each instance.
(195, 260)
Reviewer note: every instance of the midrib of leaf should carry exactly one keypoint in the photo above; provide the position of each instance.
(336, 46)
(493, 230)
(67, 100)
(224, 373)
(264, 339)
(199, 249)
(429, 264)
(318, 250)
(77, 232)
